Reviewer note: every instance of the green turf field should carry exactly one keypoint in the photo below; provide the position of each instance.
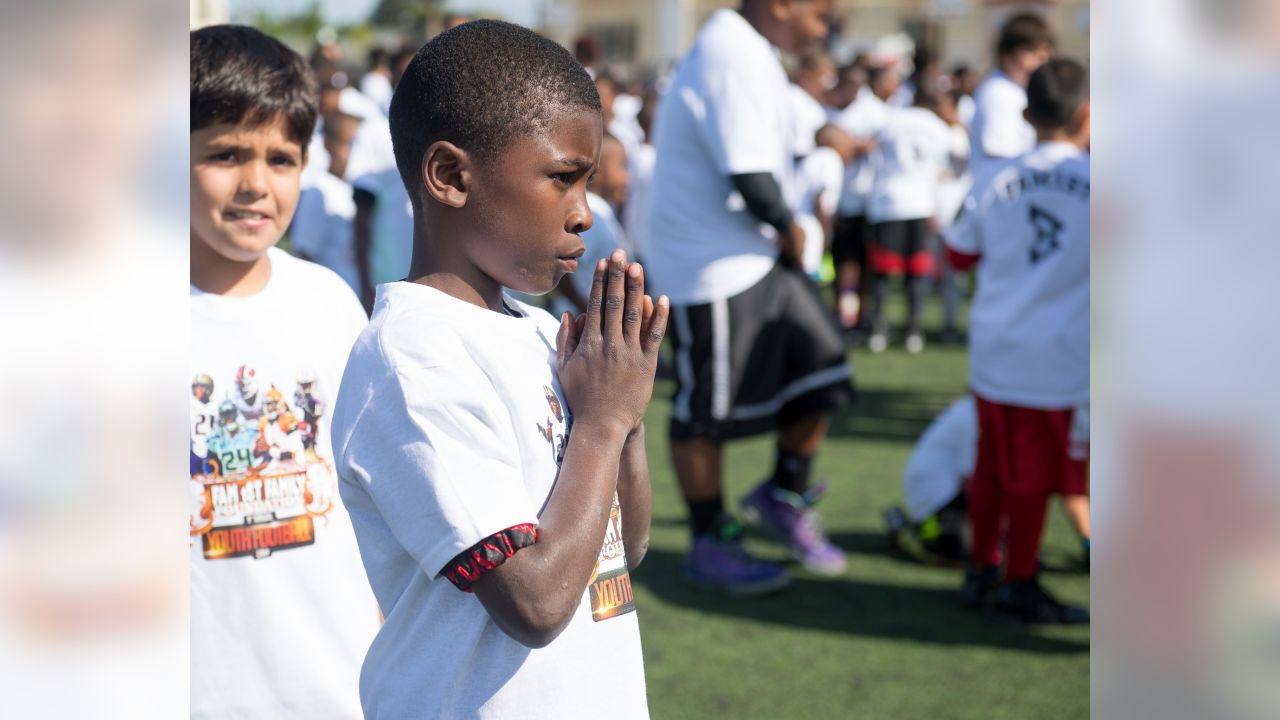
(887, 639)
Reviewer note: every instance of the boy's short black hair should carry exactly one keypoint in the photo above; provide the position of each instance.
(242, 75)
(479, 86)
(1055, 92)
(1024, 31)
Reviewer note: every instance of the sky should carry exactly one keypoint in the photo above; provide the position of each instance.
(344, 12)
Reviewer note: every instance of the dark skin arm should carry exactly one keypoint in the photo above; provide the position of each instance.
(606, 362)
(635, 497)
(364, 241)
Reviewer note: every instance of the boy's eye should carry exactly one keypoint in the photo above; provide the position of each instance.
(223, 156)
(283, 160)
(566, 177)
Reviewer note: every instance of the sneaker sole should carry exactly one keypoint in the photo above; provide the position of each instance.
(751, 516)
(762, 587)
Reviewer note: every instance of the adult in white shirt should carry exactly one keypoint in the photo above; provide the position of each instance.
(998, 131)
(1027, 227)
(755, 349)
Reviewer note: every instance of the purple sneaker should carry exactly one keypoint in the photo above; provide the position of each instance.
(725, 565)
(792, 519)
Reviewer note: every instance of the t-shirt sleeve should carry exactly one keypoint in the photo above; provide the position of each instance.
(963, 234)
(741, 124)
(435, 449)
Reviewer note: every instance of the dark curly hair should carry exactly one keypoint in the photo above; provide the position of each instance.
(479, 86)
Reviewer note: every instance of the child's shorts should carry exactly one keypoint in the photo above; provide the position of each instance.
(759, 360)
(849, 243)
(901, 247)
(1031, 451)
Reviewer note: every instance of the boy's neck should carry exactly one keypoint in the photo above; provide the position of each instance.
(453, 276)
(213, 273)
(1058, 136)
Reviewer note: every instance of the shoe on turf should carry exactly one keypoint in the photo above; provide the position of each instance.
(979, 586)
(724, 565)
(1028, 600)
(790, 517)
(877, 343)
(915, 343)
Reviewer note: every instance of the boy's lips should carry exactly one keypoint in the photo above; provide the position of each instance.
(570, 261)
(248, 218)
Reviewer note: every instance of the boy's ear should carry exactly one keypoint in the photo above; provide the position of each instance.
(1080, 121)
(447, 172)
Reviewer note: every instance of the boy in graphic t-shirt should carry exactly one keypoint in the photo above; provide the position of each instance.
(280, 612)
(493, 459)
(1026, 225)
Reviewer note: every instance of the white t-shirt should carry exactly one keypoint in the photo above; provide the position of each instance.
(451, 428)
(1029, 322)
(635, 216)
(605, 236)
(322, 226)
(727, 113)
(862, 119)
(942, 459)
(281, 613)
(372, 167)
(913, 151)
(819, 176)
(810, 116)
(998, 129)
(957, 180)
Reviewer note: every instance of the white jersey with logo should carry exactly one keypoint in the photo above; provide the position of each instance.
(997, 130)
(912, 155)
(450, 427)
(281, 613)
(864, 117)
(1029, 322)
(728, 112)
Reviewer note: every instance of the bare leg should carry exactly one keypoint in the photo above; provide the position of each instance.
(804, 436)
(698, 468)
(1077, 508)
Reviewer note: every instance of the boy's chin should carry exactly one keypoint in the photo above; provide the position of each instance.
(238, 249)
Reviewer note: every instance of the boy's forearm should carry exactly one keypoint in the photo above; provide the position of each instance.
(635, 497)
(533, 595)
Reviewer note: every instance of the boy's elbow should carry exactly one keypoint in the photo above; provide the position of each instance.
(538, 627)
(636, 556)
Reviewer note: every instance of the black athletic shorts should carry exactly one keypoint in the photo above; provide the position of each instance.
(901, 247)
(756, 361)
(849, 242)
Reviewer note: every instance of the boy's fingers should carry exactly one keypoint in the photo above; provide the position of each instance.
(614, 295)
(658, 327)
(562, 341)
(595, 301)
(648, 314)
(571, 335)
(633, 314)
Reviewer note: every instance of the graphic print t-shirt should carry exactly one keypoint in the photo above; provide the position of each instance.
(451, 427)
(281, 613)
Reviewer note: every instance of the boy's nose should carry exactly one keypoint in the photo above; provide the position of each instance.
(253, 179)
(579, 219)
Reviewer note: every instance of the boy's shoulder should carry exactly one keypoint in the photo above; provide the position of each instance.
(425, 327)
